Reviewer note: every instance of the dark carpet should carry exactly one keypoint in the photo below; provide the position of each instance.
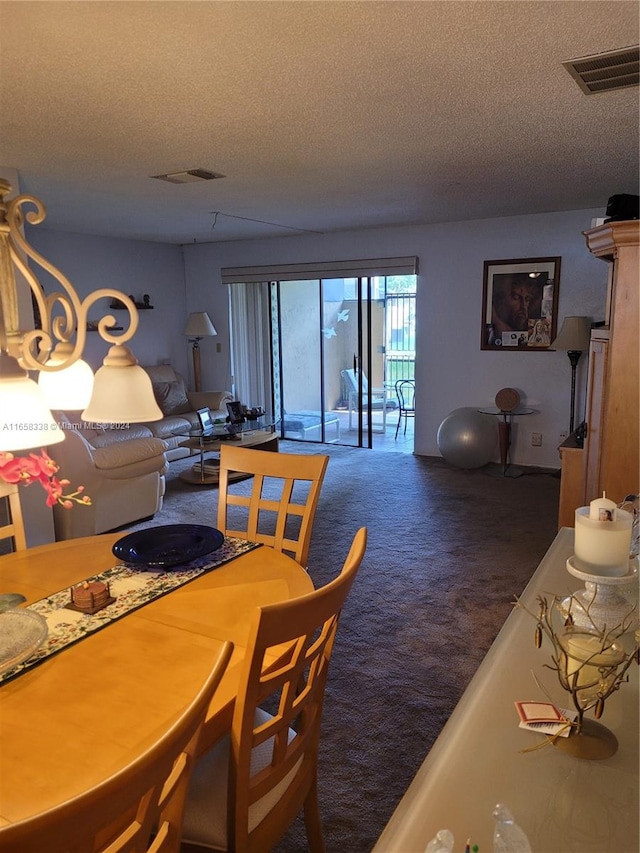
(448, 550)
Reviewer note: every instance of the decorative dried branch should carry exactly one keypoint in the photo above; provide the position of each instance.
(587, 690)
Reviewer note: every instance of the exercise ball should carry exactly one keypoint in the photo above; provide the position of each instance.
(467, 438)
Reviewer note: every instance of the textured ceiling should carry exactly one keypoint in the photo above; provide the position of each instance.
(323, 116)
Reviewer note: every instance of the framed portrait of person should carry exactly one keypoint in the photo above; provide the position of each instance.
(236, 415)
(519, 304)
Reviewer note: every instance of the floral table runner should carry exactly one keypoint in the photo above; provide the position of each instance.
(132, 586)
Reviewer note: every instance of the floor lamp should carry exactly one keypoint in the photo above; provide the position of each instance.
(198, 326)
(573, 339)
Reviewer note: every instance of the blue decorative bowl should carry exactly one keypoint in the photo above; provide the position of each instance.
(168, 546)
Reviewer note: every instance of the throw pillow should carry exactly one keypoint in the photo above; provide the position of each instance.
(171, 397)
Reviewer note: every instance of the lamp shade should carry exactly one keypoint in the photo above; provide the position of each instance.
(574, 335)
(25, 419)
(69, 388)
(199, 325)
(122, 391)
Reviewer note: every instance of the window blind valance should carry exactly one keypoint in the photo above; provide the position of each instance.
(321, 269)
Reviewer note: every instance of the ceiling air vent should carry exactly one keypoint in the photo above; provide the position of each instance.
(191, 176)
(606, 72)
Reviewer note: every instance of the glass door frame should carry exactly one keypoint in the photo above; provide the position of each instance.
(278, 367)
(364, 350)
(362, 358)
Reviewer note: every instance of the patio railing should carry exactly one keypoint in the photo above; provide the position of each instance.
(399, 367)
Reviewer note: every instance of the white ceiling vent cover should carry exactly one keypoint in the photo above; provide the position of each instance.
(605, 72)
(191, 176)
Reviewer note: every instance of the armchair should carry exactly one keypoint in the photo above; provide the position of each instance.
(122, 471)
(379, 398)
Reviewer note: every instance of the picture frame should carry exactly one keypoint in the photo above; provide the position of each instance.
(236, 415)
(520, 304)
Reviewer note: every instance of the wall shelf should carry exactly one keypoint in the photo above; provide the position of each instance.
(116, 305)
(93, 327)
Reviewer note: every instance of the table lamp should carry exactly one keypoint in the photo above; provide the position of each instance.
(198, 326)
(574, 339)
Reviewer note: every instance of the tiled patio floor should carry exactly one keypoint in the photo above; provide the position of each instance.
(381, 441)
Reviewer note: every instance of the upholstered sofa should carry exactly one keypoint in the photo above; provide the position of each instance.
(179, 407)
(122, 467)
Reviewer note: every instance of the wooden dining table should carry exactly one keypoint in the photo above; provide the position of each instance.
(87, 711)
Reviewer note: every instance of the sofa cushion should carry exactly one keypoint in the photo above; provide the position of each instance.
(116, 433)
(100, 435)
(123, 454)
(214, 400)
(161, 373)
(171, 427)
(171, 397)
(193, 419)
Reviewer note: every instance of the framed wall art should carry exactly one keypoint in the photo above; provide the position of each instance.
(519, 304)
(236, 415)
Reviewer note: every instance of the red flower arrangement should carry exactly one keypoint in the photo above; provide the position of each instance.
(41, 468)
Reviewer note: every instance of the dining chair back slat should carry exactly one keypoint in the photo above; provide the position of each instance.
(246, 791)
(14, 528)
(137, 810)
(280, 509)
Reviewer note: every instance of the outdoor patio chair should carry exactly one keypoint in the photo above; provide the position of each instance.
(380, 401)
(307, 425)
(406, 391)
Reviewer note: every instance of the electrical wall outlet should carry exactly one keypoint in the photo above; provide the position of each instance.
(536, 439)
(563, 437)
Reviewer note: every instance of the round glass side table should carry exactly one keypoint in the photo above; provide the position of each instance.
(506, 469)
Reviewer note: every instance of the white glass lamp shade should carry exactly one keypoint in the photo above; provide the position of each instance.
(25, 419)
(70, 387)
(574, 335)
(122, 391)
(199, 325)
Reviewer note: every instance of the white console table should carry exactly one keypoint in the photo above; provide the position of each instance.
(564, 804)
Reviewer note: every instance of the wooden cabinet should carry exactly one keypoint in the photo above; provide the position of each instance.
(596, 384)
(611, 454)
(571, 481)
(612, 448)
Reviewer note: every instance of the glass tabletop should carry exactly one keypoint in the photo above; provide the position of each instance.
(494, 410)
(226, 431)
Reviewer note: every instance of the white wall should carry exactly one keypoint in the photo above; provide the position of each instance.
(451, 369)
(135, 268)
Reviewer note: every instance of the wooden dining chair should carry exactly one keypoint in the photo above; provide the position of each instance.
(247, 790)
(14, 529)
(282, 504)
(137, 810)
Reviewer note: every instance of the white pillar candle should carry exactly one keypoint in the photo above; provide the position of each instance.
(585, 656)
(602, 509)
(602, 547)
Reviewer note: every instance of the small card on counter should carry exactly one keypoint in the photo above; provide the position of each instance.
(545, 717)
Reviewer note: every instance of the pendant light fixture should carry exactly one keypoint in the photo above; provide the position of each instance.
(123, 393)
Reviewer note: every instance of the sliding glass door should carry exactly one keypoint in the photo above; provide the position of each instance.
(326, 342)
(322, 354)
(297, 347)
